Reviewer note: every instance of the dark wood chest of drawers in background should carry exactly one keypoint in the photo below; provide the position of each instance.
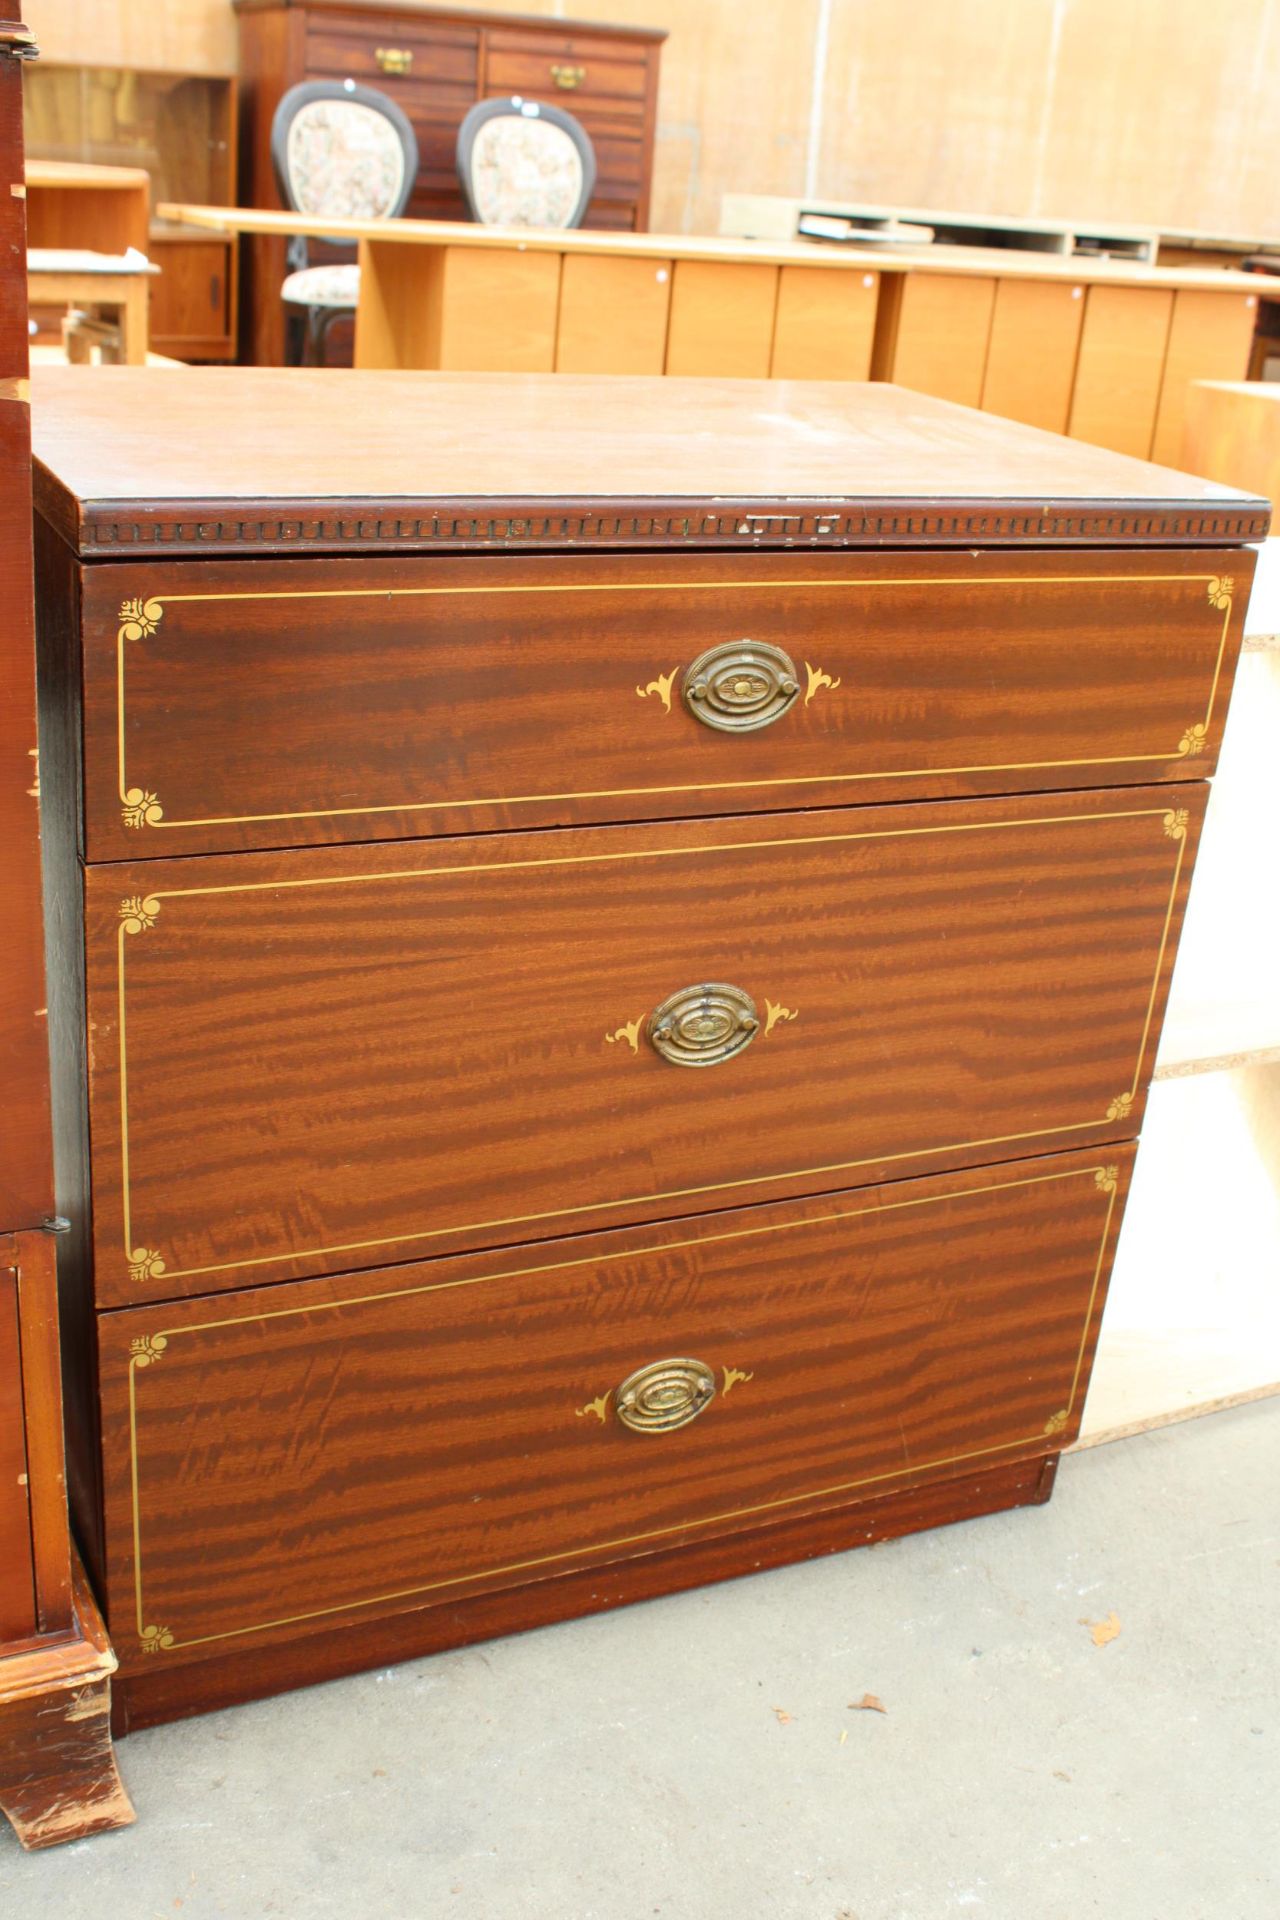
(437, 62)
(603, 1014)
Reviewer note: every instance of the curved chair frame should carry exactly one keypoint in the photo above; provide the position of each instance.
(298, 252)
(515, 106)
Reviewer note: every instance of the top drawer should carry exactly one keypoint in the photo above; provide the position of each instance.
(393, 48)
(243, 704)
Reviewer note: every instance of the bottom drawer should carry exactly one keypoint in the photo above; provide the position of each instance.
(278, 1459)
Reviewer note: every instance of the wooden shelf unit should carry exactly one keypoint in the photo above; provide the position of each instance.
(179, 131)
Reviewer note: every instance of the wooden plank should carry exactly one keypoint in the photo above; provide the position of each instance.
(17, 1584)
(1120, 368)
(824, 325)
(722, 318)
(613, 314)
(498, 311)
(1031, 360)
(1209, 339)
(935, 339)
(398, 317)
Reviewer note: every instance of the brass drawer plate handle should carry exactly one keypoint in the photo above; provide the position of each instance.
(568, 77)
(701, 1026)
(664, 1395)
(740, 686)
(394, 59)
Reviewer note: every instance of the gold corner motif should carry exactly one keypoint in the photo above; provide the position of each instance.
(138, 912)
(661, 686)
(1221, 589)
(817, 680)
(630, 1033)
(141, 809)
(1120, 1106)
(1192, 741)
(1175, 823)
(732, 1375)
(599, 1406)
(139, 618)
(1056, 1421)
(1106, 1179)
(145, 1264)
(150, 1346)
(773, 1013)
(155, 1639)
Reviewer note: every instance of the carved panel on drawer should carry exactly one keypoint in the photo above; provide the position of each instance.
(413, 1435)
(320, 1061)
(239, 704)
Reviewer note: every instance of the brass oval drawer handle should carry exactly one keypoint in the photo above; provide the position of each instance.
(740, 686)
(701, 1026)
(394, 59)
(568, 77)
(664, 1395)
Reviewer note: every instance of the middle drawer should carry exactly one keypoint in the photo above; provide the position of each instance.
(275, 703)
(312, 1062)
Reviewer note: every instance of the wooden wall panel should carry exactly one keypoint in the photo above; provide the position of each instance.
(1154, 112)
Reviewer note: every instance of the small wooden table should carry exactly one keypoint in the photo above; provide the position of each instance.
(103, 286)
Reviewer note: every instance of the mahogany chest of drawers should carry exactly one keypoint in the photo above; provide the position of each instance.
(609, 942)
(436, 62)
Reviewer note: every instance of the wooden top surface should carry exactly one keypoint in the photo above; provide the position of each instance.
(79, 173)
(485, 17)
(985, 261)
(83, 260)
(132, 460)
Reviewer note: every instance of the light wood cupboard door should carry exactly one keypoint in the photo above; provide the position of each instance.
(722, 318)
(613, 314)
(932, 334)
(825, 324)
(1209, 339)
(1120, 368)
(1031, 360)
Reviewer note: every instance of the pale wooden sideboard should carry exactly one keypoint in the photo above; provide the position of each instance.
(1103, 351)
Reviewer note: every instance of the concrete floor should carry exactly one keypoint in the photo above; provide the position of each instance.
(697, 1757)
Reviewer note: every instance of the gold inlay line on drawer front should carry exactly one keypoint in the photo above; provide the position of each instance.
(149, 1350)
(140, 617)
(140, 914)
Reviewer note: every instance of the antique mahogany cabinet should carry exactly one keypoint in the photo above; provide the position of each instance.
(58, 1778)
(609, 938)
(436, 62)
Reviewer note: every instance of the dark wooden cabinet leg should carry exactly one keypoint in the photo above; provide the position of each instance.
(58, 1775)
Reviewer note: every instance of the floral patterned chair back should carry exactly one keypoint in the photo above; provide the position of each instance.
(525, 164)
(344, 151)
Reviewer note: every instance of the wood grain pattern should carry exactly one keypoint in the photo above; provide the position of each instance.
(458, 56)
(17, 1587)
(824, 326)
(932, 334)
(243, 460)
(58, 1775)
(1210, 336)
(976, 979)
(721, 319)
(162, 1690)
(260, 704)
(1120, 368)
(613, 315)
(465, 1435)
(35, 1278)
(26, 1170)
(1031, 353)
